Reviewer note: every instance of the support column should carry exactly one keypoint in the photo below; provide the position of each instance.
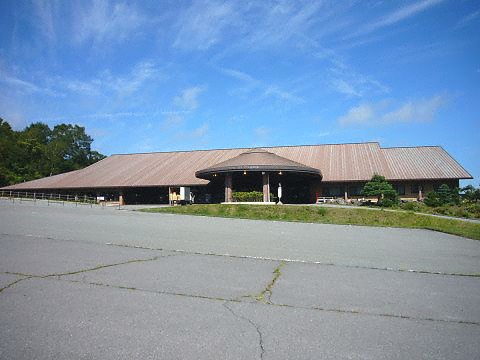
(346, 195)
(266, 187)
(121, 199)
(228, 188)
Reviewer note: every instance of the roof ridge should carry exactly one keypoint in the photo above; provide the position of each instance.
(246, 148)
(410, 147)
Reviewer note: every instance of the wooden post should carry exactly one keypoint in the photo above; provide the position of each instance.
(346, 194)
(266, 187)
(121, 199)
(228, 188)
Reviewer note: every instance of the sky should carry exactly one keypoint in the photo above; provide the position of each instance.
(178, 75)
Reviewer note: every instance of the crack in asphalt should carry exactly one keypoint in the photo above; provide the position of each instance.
(238, 300)
(16, 281)
(257, 328)
(297, 261)
(33, 276)
(264, 297)
(266, 293)
(264, 258)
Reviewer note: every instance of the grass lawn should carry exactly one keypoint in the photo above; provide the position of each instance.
(315, 214)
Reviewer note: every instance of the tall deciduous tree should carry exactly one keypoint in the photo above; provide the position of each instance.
(39, 151)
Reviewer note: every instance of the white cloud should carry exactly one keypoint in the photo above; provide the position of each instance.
(197, 135)
(102, 22)
(239, 75)
(419, 111)
(343, 87)
(202, 25)
(252, 24)
(282, 95)
(262, 131)
(141, 73)
(275, 24)
(26, 86)
(16, 119)
(200, 132)
(267, 90)
(466, 20)
(362, 114)
(396, 16)
(93, 116)
(348, 82)
(91, 87)
(105, 83)
(423, 110)
(45, 13)
(262, 136)
(173, 120)
(189, 97)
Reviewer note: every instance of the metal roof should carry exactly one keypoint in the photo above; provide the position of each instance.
(257, 160)
(423, 162)
(340, 162)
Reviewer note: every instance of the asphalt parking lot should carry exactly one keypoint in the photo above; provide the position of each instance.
(91, 283)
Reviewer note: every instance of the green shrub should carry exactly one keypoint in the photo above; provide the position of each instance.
(388, 202)
(247, 196)
(432, 199)
(444, 195)
(251, 196)
(474, 210)
(414, 206)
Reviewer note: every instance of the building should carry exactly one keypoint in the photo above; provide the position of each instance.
(305, 173)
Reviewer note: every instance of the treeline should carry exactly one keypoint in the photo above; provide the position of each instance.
(38, 151)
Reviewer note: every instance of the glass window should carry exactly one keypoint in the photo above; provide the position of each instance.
(416, 187)
(400, 189)
(355, 190)
(334, 191)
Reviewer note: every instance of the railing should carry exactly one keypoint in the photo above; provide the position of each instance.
(48, 197)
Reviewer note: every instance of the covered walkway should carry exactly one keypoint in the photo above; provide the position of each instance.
(261, 169)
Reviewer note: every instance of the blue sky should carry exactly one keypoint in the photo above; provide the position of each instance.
(177, 75)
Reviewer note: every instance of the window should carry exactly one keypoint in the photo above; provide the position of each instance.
(355, 190)
(416, 188)
(400, 189)
(334, 191)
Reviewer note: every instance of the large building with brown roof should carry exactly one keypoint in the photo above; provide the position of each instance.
(305, 173)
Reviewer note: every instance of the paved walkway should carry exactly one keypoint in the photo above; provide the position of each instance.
(91, 283)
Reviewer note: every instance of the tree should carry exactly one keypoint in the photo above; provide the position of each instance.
(38, 151)
(432, 199)
(471, 194)
(8, 153)
(378, 186)
(33, 141)
(443, 196)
